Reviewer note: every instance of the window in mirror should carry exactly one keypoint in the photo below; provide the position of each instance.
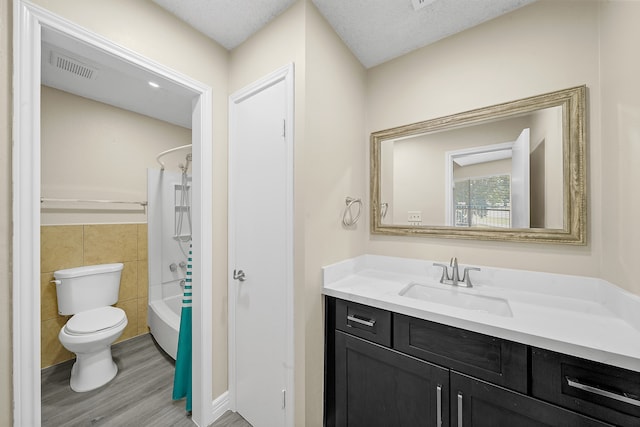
(482, 201)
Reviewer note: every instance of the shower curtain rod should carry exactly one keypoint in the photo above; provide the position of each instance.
(171, 150)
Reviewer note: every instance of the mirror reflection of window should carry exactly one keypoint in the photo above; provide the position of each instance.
(483, 201)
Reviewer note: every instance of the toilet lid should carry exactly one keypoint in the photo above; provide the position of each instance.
(95, 320)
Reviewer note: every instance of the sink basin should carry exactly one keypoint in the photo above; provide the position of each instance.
(456, 297)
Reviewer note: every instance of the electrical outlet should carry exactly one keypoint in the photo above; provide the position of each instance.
(414, 217)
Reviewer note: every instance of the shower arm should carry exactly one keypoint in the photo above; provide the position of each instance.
(182, 147)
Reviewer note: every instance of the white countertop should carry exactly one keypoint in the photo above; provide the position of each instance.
(580, 316)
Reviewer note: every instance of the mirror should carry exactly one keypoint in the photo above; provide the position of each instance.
(513, 172)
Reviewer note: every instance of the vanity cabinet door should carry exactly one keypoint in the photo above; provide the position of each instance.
(475, 403)
(379, 387)
(602, 391)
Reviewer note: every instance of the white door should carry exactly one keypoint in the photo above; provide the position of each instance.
(520, 186)
(260, 241)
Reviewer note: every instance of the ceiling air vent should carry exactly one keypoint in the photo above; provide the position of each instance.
(419, 4)
(73, 66)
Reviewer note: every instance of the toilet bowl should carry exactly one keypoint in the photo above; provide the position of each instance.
(89, 334)
(88, 293)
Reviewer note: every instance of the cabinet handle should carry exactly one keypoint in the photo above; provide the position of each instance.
(600, 392)
(439, 406)
(368, 323)
(459, 409)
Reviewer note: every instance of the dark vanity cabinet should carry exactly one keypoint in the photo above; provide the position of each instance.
(481, 404)
(377, 386)
(602, 391)
(387, 369)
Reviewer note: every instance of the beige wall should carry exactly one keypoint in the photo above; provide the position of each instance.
(6, 402)
(539, 48)
(91, 150)
(618, 154)
(331, 161)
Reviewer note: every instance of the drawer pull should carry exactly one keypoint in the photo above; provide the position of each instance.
(370, 323)
(459, 409)
(600, 392)
(439, 406)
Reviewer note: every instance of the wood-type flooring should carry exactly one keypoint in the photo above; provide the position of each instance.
(139, 396)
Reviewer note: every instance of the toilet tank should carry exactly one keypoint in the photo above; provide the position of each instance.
(84, 288)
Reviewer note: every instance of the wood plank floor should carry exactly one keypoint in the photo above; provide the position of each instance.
(139, 396)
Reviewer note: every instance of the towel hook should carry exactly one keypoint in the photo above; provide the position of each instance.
(348, 219)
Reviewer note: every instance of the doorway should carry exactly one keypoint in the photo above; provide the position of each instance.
(29, 21)
(261, 250)
(496, 168)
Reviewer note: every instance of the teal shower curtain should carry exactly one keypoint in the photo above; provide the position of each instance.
(182, 376)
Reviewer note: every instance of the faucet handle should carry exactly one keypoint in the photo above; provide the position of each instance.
(466, 278)
(445, 271)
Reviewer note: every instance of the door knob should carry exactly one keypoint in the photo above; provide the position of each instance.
(239, 275)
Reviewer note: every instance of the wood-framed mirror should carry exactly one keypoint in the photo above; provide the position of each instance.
(512, 172)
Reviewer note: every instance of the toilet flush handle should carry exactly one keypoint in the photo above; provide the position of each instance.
(57, 282)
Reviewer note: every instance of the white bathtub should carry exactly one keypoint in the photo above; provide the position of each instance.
(164, 322)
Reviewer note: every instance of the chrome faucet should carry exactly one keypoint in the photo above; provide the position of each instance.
(454, 278)
(455, 275)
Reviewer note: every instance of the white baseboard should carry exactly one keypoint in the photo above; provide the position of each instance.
(220, 406)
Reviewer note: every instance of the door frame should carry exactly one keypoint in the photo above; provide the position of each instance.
(521, 181)
(28, 19)
(286, 74)
(450, 157)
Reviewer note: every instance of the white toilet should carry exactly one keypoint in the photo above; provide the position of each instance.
(87, 293)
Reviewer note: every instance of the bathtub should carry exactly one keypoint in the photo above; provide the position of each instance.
(164, 322)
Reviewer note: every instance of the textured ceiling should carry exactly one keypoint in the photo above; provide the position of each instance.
(228, 22)
(375, 30)
(379, 30)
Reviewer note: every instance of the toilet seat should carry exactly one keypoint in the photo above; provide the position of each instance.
(90, 334)
(96, 320)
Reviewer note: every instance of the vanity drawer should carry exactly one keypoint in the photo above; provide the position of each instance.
(602, 391)
(366, 322)
(489, 358)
